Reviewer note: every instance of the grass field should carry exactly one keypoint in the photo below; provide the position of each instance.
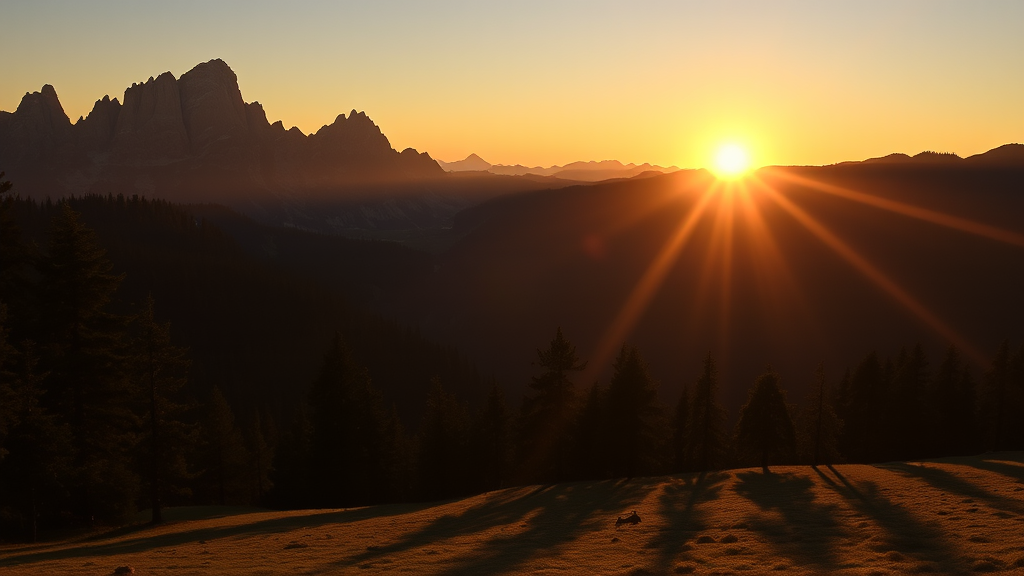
(950, 516)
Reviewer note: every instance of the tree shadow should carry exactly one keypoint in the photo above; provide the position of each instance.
(145, 542)
(948, 482)
(808, 530)
(677, 506)
(1007, 464)
(561, 514)
(901, 531)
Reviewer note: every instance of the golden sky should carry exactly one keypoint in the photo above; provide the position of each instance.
(541, 83)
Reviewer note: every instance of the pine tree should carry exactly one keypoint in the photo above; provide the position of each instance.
(953, 398)
(88, 385)
(591, 436)
(995, 407)
(908, 408)
(820, 426)
(765, 428)
(348, 425)
(707, 422)
(493, 440)
(222, 478)
(35, 448)
(681, 432)
(862, 408)
(547, 414)
(444, 462)
(633, 398)
(260, 439)
(161, 373)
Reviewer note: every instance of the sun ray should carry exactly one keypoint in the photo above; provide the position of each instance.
(872, 273)
(932, 216)
(648, 285)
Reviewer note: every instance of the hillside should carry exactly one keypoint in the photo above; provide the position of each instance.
(752, 283)
(948, 516)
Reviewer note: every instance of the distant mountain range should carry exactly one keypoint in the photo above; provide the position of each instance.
(579, 171)
(194, 139)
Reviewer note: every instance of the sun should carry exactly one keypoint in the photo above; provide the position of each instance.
(731, 161)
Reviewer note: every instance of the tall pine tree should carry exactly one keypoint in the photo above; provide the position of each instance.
(634, 419)
(707, 441)
(765, 429)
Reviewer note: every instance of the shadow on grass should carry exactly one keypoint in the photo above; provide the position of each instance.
(807, 531)
(1006, 463)
(678, 507)
(901, 531)
(948, 482)
(145, 542)
(559, 515)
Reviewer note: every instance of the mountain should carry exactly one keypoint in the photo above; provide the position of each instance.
(196, 132)
(471, 163)
(1005, 155)
(578, 171)
(753, 284)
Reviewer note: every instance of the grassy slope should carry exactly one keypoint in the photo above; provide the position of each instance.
(955, 515)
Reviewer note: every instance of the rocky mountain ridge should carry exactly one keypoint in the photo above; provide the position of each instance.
(194, 138)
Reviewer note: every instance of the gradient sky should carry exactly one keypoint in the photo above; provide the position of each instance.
(553, 82)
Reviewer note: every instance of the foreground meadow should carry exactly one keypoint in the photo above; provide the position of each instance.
(951, 516)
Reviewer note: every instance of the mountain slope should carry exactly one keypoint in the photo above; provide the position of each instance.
(771, 291)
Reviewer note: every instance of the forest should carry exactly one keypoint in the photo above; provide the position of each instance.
(129, 387)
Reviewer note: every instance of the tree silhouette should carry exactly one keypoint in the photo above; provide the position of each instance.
(953, 399)
(995, 405)
(547, 414)
(88, 384)
(161, 374)
(591, 435)
(492, 437)
(633, 399)
(444, 454)
(765, 427)
(707, 437)
(861, 406)
(681, 432)
(820, 424)
(223, 456)
(908, 412)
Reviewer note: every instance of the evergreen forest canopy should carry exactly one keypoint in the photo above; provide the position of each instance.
(130, 337)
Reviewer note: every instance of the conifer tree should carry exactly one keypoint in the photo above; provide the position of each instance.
(707, 422)
(222, 478)
(765, 428)
(591, 435)
(953, 398)
(908, 408)
(681, 432)
(493, 440)
(34, 448)
(995, 406)
(348, 427)
(88, 385)
(861, 408)
(260, 438)
(633, 398)
(820, 426)
(547, 414)
(444, 456)
(160, 375)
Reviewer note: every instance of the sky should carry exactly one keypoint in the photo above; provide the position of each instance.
(542, 83)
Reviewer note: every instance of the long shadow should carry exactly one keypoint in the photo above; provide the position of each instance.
(678, 506)
(815, 525)
(948, 482)
(562, 512)
(144, 543)
(992, 464)
(902, 532)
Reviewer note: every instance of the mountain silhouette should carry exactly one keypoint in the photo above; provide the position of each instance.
(193, 138)
(578, 171)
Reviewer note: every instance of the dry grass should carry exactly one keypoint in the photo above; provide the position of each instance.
(954, 516)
